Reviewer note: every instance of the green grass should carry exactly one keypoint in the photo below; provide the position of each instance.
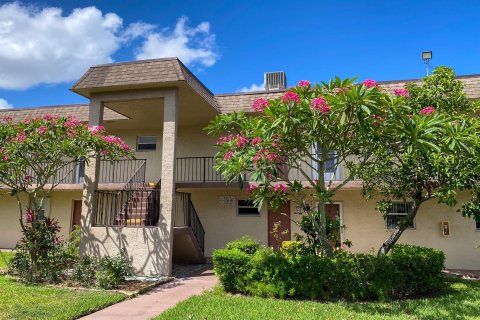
(461, 301)
(5, 257)
(19, 301)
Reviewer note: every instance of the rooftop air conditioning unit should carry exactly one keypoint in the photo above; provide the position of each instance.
(275, 80)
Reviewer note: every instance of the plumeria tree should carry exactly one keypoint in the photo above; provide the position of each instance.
(425, 148)
(32, 155)
(292, 146)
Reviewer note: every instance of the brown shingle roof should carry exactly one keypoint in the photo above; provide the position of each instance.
(243, 101)
(142, 72)
(79, 111)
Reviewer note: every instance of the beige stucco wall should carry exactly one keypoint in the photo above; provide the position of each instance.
(221, 222)
(192, 141)
(154, 163)
(364, 226)
(366, 229)
(61, 204)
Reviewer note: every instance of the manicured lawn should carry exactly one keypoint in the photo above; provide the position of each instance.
(5, 257)
(462, 301)
(18, 301)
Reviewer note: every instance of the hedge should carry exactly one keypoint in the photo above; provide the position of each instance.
(406, 271)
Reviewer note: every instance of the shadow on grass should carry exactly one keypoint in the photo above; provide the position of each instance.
(459, 300)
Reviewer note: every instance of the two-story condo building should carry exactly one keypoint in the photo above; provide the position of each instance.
(169, 204)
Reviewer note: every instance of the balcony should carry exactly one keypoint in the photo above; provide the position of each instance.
(201, 170)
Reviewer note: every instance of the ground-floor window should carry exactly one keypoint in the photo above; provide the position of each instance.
(397, 214)
(247, 208)
(477, 224)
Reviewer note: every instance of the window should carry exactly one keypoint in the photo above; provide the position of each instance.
(477, 225)
(146, 143)
(247, 208)
(80, 171)
(329, 164)
(397, 214)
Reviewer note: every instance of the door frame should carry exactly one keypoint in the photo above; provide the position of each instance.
(340, 212)
(72, 212)
(289, 220)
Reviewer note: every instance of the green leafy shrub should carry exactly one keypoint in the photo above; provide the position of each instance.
(84, 271)
(72, 245)
(406, 271)
(421, 269)
(40, 255)
(231, 267)
(112, 270)
(245, 244)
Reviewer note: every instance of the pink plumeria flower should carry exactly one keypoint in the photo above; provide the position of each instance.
(242, 141)
(304, 83)
(401, 92)
(291, 97)
(42, 130)
(369, 83)
(228, 155)
(427, 111)
(280, 188)
(320, 104)
(260, 104)
(256, 141)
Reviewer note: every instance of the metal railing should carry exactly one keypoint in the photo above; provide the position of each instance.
(186, 215)
(129, 208)
(133, 206)
(201, 169)
(197, 169)
(121, 171)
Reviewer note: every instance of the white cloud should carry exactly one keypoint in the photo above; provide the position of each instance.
(42, 46)
(4, 104)
(195, 46)
(45, 46)
(253, 87)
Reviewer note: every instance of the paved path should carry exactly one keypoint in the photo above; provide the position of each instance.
(159, 299)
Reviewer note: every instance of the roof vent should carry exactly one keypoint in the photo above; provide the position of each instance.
(275, 80)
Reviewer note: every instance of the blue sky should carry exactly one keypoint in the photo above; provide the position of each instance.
(230, 44)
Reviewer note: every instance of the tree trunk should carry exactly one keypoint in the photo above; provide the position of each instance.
(390, 242)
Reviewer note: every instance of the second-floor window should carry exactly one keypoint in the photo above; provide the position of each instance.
(397, 215)
(146, 143)
(329, 165)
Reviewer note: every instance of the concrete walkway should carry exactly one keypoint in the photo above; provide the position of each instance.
(159, 299)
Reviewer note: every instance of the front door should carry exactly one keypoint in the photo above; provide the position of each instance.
(279, 226)
(333, 221)
(77, 213)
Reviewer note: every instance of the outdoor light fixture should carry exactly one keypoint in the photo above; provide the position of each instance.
(426, 56)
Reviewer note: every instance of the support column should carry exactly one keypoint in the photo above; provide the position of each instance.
(167, 191)
(90, 181)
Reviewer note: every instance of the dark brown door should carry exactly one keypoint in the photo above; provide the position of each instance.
(77, 212)
(279, 226)
(333, 212)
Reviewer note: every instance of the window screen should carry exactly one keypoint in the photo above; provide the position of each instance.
(397, 214)
(146, 143)
(247, 208)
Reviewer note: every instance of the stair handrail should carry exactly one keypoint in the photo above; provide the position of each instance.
(129, 189)
(191, 219)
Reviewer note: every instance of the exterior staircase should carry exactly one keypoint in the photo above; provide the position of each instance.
(141, 207)
(188, 232)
